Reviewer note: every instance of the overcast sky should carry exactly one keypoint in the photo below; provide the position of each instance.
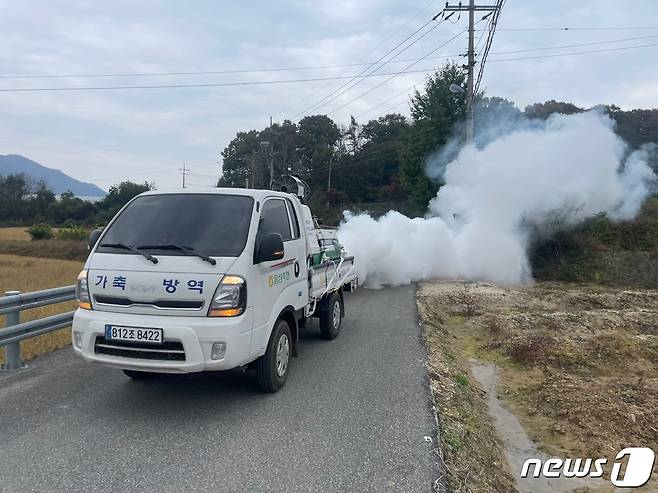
(106, 136)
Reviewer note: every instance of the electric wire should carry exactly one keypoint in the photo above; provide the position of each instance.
(404, 70)
(399, 29)
(492, 31)
(327, 99)
(312, 67)
(291, 81)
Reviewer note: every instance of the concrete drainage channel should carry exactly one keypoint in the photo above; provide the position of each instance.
(517, 443)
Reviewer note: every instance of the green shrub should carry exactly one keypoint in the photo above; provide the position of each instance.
(40, 231)
(72, 233)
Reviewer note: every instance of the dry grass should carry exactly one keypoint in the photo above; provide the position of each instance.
(55, 249)
(472, 454)
(579, 363)
(14, 234)
(32, 274)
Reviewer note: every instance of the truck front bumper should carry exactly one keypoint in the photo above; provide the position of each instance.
(196, 334)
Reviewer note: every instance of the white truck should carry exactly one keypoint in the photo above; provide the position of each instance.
(207, 280)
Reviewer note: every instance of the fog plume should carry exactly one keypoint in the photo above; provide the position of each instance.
(536, 177)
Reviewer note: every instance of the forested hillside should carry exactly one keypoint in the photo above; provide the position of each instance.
(382, 163)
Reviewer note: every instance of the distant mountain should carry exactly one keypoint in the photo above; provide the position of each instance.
(57, 181)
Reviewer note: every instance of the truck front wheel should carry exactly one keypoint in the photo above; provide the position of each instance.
(332, 318)
(272, 367)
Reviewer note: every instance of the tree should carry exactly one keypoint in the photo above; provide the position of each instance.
(434, 113)
(118, 196)
(316, 139)
(40, 200)
(493, 117)
(371, 174)
(239, 162)
(352, 137)
(14, 190)
(547, 108)
(70, 209)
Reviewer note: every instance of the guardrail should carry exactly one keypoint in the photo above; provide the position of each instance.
(14, 332)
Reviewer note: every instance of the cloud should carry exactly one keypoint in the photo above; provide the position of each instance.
(87, 133)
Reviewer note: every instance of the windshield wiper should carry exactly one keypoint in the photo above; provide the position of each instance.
(180, 248)
(132, 249)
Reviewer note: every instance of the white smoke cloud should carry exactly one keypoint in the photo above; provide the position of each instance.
(495, 198)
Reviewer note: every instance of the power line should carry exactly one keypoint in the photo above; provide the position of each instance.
(492, 31)
(154, 171)
(321, 103)
(312, 67)
(315, 93)
(385, 112)
(579, 29)
(314, 79)
(216, 84)
(404, 70)
(376, 155)
(390, 99)
(605, 50)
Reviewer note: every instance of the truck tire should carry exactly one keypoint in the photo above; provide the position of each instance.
(332, 318)
(272, 367)
(139, 375)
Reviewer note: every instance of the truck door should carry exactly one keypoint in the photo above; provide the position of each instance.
(278, 283)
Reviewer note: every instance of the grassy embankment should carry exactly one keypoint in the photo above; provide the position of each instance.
(578, 367)
(27, 273)
(601, 251)
(16, 241)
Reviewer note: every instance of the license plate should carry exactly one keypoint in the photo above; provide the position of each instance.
(135, 334)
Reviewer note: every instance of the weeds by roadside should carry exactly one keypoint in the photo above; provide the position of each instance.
(578, 364)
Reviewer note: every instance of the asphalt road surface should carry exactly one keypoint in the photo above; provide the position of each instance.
(353, 416)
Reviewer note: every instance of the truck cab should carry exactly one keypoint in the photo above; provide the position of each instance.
(190, 281)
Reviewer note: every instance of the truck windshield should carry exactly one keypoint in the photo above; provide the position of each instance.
(210, 224)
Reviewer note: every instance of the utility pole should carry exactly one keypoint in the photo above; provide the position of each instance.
(184, 172)
(470, 96)
(471, 67)
(269, 145)
(331, 159)
(253, 170)
(271, 165)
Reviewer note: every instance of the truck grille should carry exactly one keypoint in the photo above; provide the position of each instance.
(167, 351)
(161, 304)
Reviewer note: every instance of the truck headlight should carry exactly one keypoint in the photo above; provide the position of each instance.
(82, 291)
(230, 298)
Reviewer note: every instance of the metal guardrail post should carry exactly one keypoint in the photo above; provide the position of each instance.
(13, 350)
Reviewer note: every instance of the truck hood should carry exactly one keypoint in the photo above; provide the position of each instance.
(176, 285)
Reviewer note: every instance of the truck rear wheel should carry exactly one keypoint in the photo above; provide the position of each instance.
(272, 367)
(332, 318)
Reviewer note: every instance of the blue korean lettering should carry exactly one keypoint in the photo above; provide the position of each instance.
(119, 282)
(193, 285)
(170, 285)
(101, 279)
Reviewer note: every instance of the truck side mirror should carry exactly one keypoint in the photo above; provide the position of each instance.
(270, 247)
(93, 238)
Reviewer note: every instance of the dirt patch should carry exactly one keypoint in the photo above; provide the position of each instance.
(578, 364)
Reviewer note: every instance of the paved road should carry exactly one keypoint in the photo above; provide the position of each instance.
(352, 417)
